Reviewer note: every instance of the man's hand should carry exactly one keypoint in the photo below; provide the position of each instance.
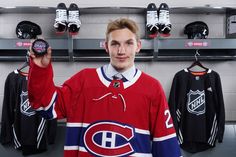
(42, 61)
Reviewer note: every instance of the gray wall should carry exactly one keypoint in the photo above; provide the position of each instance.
(132, 3)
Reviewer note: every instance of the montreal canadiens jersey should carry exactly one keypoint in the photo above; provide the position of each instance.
(197, 107)
(107, 117)
(20, 124)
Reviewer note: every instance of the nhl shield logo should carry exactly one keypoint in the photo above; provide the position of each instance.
(116, 84)
(196, 102)
(25, 107)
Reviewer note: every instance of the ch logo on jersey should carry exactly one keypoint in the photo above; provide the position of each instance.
(109, 139)
(25, 107)
(196, 102)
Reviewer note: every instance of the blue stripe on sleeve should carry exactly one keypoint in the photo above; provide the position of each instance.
(166, 148)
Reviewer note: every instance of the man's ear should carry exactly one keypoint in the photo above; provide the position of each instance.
(139, 46)
(106, 46)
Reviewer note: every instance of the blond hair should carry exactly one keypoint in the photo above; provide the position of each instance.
(121, 24)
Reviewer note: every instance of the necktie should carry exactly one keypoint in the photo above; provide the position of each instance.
(119, 77)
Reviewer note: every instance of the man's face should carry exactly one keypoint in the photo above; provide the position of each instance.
(122, 47)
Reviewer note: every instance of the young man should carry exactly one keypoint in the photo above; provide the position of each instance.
(107, 115)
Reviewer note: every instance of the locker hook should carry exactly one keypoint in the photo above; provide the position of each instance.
(196, 54)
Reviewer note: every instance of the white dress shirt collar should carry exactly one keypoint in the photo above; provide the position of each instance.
(110, 71)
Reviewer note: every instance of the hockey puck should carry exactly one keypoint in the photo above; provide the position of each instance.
(39, 47)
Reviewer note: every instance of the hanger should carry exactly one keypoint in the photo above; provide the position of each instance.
(26, 63)
(197, 62)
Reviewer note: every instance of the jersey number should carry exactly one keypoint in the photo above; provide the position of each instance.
(168, 123)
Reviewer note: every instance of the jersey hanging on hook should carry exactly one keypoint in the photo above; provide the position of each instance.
(197, 107)
(22, 126)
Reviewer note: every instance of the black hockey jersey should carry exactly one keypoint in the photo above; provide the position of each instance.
(21, 125)
(197, 108)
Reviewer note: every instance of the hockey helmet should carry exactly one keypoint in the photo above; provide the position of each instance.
(196, 30)
(28, 30)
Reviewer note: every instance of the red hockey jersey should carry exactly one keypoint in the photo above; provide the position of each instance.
(106, 117)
